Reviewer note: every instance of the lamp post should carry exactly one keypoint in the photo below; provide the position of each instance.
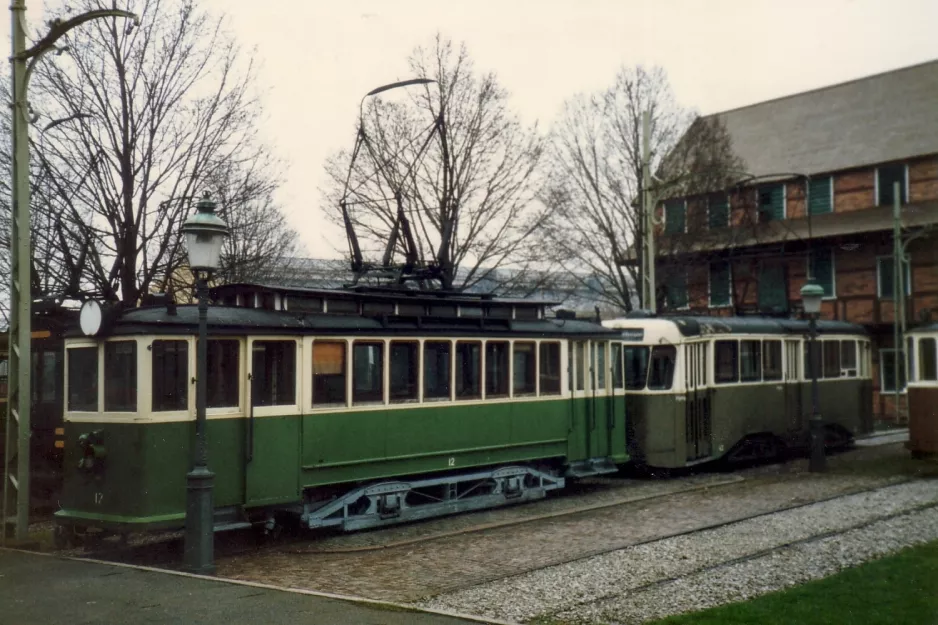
(205, 232)
(811, 294)
(16, 454)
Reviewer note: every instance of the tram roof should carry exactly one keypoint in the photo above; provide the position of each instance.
(232, 320)
(929, 328)
(694, 326)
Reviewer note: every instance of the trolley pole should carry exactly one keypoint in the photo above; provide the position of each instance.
(18, 425)
(199, 551)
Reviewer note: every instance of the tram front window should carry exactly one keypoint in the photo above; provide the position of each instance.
(661, 370)
(636, 367)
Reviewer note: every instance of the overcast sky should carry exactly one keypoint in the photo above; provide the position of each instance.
(320, 57)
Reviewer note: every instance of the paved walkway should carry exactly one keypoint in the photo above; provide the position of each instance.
(44, 590)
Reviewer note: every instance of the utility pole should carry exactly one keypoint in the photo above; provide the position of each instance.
(18, 426)
(649, 299)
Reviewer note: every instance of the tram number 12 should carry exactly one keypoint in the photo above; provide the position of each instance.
(98, 498)
(451, 462)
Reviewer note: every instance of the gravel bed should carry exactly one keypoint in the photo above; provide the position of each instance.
(599, 588)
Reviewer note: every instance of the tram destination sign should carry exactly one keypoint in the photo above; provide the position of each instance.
(632, 334)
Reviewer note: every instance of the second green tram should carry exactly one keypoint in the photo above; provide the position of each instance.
(700, 389)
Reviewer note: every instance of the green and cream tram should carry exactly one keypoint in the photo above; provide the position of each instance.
(345, 408)
(923, 390)
(704, 388)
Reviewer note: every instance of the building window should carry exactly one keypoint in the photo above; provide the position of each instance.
(720, 284)
(928, 360)
(436, 368)
(675, 216)
(367, 372)
(120, 376)
(403, 369)
(223, 389)
(750, 361)
(468, 370)
(718, 211)
(661, 367)
(885, 277)
(887, 371)
(771, 202)
(676, 290)
(525, 368)
(821, 195)
(821, 268)
(496, 368)
(274, 373)
(886, 177)
(726, 356)
(170, 364)
(550, 368)
(83, 379)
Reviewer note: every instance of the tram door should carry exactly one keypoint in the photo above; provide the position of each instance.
(601, 404)
(794, 417)
(272, 432)
(698, 424)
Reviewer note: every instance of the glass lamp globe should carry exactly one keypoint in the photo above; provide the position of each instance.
(811, 295)
(205, 233)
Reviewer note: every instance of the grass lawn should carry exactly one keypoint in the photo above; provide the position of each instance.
(897, 590)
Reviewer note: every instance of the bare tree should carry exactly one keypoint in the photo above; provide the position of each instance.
(143, 120)
(463, 166)
(596, 173)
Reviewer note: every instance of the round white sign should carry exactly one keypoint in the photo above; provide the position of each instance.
(89, 317)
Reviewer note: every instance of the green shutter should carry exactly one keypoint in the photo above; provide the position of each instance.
(819, 195)
(773, 296)
(718, 212)
(674, 217)
(886, 278)
(720, 284)
(886, 176)
(822, 268)
(771, 202)
(677, 290)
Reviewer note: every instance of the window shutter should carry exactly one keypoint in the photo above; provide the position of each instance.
(674, 217)
(720, 284)
(822, 268)
(771, 202)
(718, 212)
(677, 290)
(819, 195)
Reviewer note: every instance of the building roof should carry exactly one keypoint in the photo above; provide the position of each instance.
(885, 117)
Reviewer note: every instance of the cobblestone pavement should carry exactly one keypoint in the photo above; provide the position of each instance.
(412, 571)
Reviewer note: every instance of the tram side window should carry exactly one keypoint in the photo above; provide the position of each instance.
(636, 367)
(329, 373)
(550, 368)
(726, 369)
(580, 358)
(83, 379)
(367, 372)
(120, 376)
(496, 368)
(618, 377)
(468, 370)
(661, 367)
(525, 368)
(170, 373)
(403, 371)
(750, 361)
(848, 359)
(274, 373)
(831, 355)
(772, 360)
(224, 373)
(436, 368)
(928, 357)
(600, 365)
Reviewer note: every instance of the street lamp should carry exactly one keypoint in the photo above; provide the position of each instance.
(205, 232)
(811, 295)
(16, 454)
